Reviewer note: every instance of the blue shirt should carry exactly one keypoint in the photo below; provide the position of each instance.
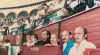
(35, 42)
(70, 44)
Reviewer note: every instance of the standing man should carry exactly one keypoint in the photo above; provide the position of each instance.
(80, 35)
(46, 38)
(68, 43)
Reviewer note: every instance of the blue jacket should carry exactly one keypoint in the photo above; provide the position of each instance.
(70, 44)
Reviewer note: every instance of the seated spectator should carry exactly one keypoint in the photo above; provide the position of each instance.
(80, 35)
(33, 40)
(15, 26)
(46, 38)
(27, 39)
(67, 12)
(10, 28)
(26, 23)
(68, 43)
(47, 15)
(53, 40)
(20, 26)
(6, 29)
(7, 43)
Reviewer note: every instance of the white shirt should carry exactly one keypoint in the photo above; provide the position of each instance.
(73, 4)
(27, 24)
(9, 46)
(64, 46)
(84, 44)
(61, 5)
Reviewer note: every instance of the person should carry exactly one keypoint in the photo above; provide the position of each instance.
(68, 43)
(33, 40)
(7, 43)
(27, 38)
(20, 26)
(46, 38)
(26, 23)
(80, 35)
(67, 12)
(6, 29)
(53, 40)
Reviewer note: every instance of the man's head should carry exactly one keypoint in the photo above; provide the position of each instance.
(24, 19)
(80, 34)
(27, 37)
(45, 34)
(54, 39)
(66, 36)
(34, 37)
(6, 41)
(68, 10)
(10, 23)
(65, 11)
(44, 6)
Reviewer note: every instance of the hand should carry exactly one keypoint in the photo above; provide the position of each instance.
(48, 45)
(24, 43)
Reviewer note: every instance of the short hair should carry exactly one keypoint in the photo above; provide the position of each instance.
(70, 33)
(27, 34)
(35, 36)
(85, 32)
(45, 4)
(69, 9)
(48, 32)
(8, 41)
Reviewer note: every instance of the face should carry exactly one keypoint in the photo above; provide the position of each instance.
(53, 39)
(24, 19)
(20, 20)
(44, 7)
(33, 39)
(65, 36)
(65, 11)
(27, 37)
(79, 35)
(44, 35)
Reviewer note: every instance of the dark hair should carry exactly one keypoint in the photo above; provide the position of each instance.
(35, 36)
(48, 32)
(70, 33)
(45, 4)
(85, 32)
(27, 34)
(8, 41)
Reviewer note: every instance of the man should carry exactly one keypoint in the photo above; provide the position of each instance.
(33, 40)
(7, 43)
(80, 35)
(67, 12)
(26, 23)
(53, 40)
(46, 38)
(27, 38)
(68, 43)
(6, 29)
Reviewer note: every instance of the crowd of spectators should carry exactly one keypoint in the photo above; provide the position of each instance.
(46, 14)
(70, 47)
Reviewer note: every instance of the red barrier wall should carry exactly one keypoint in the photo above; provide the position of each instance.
(42, 50)
(92, 52)
(15, 40)
(4, 51)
